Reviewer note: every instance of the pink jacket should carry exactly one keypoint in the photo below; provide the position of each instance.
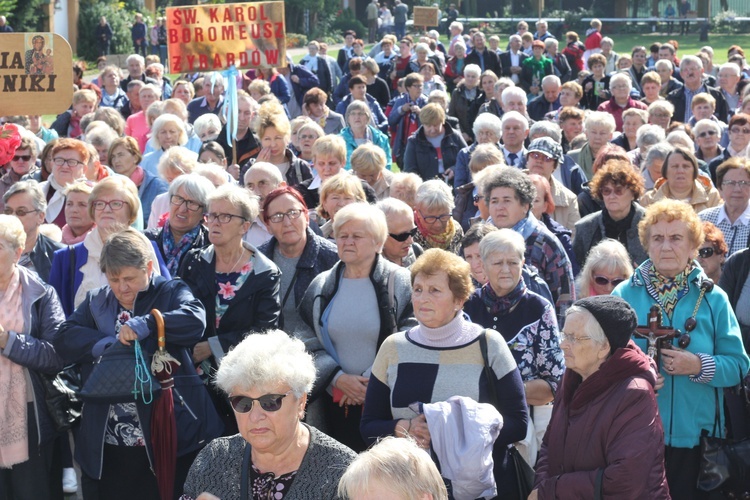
(137, 127)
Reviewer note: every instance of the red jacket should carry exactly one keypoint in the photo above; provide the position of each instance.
(613, 109)
(609, 422)
(594, 40)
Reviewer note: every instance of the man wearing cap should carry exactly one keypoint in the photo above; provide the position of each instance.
(482, 56)
(548, 101)
(543, 158)
(605, 433)
(535, 68)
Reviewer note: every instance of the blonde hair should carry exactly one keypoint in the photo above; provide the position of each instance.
(608, 256)
(11, 230)
(372, 217)
(343, 183)
(84, 95)
(330, 145)
(432, 114)
(669, 210)
(368, 159)
(121, 185)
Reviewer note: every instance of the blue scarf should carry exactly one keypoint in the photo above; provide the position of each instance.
(173, 251)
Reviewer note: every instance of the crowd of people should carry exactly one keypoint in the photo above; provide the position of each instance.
(422, 246)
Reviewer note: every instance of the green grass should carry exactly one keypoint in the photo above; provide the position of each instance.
(689, 44)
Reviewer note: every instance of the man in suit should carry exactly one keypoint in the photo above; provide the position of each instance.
(691, 68)
(510, 61)
(482, 56)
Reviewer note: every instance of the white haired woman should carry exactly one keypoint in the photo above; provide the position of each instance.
(274, 455)
(436, 227)
(598, 127)
(238, 285)
(400, 247)
(354, 292)
(441, 284)
(528, 324)
(30, 315)
(393, 468)
(168, 130)
(116, 433)
(607, 265)
(173, 163)
(113, 206)
(487, 130)
(620, 86)
(183, 230)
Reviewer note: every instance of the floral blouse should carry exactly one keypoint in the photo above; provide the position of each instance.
(227, 285)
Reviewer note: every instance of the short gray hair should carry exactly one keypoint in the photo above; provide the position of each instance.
(100, 135)
(501, 241)
(515, 115)
(656, 152)
(264, 360)
(177, 158)
(11, 230)
(551, 80)
(514, 92)
(204, 122)
(623, 78)
(33, 189)
(545, 128)
(271, 170)
(599, 118)
(136, 57)
(242, 199)
(473, 69)
(371, 216)
(195, 186)
(694, 60)
(735, 69)
(513, 178)
(705, 124)
(435, 194)
(664, 62)
(163, 120)
(488, 121)
(126, 248)
(358, 106)
(661, 105)
(392, 207)
(680, 138)
(648, 135)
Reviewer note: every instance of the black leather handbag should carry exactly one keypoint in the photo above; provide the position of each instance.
(61, 397)
(725, 463)
(114, 379)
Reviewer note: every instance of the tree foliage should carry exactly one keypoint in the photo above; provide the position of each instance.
(117, 16)
(26, 15)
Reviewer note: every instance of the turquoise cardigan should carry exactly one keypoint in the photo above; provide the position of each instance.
(687, 406)
(378, 138)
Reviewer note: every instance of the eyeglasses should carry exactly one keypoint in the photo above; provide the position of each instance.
(22, 158)
(477, 197)
(404, 236)
(268, 402)
(431, 219)
(619, 87)
(707, 133)
(100, 205)
(177, 201)
(19, 212)
(604, 281)
(540, 156)
(737, 130)
(306, 137)
(571, 338)
(731, 184)
(707, 252)
(67, 161)
(291, 214)
(617, 190)
(222, 218)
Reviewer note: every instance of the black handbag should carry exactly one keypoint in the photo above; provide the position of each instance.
(61, 397)
(114, 380)
(725, 463)
(524, 472)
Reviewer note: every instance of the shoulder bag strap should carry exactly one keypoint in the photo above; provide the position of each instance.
(245, 472)
(392, 298)
(717, 417)
(487, 369)
(291, 287)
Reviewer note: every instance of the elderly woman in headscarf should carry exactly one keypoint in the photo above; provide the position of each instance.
(706, 353)
(30, 315)
(605, 437)
(436, 227)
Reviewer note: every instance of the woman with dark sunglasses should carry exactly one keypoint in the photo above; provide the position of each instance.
(607, 265)
(400, 247)
(713, 252)
(267, 378)
(619, 186)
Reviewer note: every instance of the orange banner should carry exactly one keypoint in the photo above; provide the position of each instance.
(213, 37)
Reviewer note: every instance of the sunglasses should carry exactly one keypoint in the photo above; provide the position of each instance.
(540, 156)
(268, 402)
(404, 236)
(707, 252)
(22, 158)
(618, 190)
(603, 281)
(707, 133)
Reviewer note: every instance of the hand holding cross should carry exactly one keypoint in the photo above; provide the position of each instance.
(658, 336)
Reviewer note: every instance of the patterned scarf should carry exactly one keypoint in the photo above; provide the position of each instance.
(502, 305)
(664, 290)
(442, 240)
(174, 251)
(14, 441)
